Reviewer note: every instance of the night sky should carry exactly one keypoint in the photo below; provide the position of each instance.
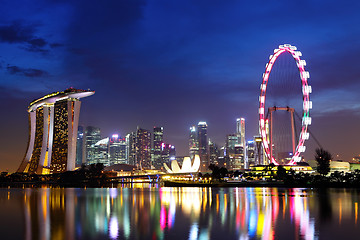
(175, 63)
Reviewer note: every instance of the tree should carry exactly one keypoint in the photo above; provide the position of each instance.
(281, 172)
(223, 172)
(323, 159)
(217, 173)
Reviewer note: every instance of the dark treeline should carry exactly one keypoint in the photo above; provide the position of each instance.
(86, 176)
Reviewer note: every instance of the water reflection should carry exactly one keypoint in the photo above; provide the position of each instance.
(185, 213)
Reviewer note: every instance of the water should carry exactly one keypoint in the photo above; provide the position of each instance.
(144, 212)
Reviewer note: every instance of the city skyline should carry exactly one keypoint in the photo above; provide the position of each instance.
(175, 64)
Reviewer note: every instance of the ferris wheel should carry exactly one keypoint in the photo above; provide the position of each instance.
(264, 129)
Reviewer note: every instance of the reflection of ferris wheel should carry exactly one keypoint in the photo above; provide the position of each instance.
(306, 106)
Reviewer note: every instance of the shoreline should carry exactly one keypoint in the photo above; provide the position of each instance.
(262, 184)
(275, 184)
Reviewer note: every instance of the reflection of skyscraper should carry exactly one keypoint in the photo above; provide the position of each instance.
(203, 146)
(143, 148)
(80, 158)
(193, 142)
(126, 213)
(93, 135)
(53, 122)
(157, 151)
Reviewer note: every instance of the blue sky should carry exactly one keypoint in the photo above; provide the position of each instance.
(175, 63)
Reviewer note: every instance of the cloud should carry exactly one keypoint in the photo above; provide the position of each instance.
(55, 45)
(19, 33)
(27, 72)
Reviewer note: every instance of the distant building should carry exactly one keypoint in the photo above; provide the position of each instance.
(168, 152)
(158, 133)
(193, 142)
(203, 146)
(234, 152)
(230, 142)
(356, 159)
(188, 165)
(131, 148)
(143, 148)
(214, 152)
(92, 136)
(240, 133)
(53, 126)
(117, 150)
(251, 153)
(101, 152)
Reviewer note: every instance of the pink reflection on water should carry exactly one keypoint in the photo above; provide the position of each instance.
(162, 218)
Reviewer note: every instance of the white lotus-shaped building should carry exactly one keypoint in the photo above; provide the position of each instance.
(186, 167)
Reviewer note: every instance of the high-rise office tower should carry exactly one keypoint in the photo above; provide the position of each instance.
(92, 136)
(214, 152)
(117, 150)
(80, 158)
(53, 126)
(250, 153)
(203, 146)
(143, 148)
(234, 152)
(101, 152)
(231, 141)
(168, 153)
(193, 142)
(131, 148)
(158, 140)
(240, 132)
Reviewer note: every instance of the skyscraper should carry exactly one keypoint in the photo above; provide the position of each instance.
(231, 141)
(168, 153)
(214, 152)
(203, 146)
(131, 148)
(53, 126)
(193, 142)
(234, 152)
(241, 148)
(117, 150)
(158, 140)
(143, 148)
(101, 149)
(92, 136)
(250, 153)
(240, 131)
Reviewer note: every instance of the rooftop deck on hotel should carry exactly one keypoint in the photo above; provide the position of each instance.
(57, 96)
